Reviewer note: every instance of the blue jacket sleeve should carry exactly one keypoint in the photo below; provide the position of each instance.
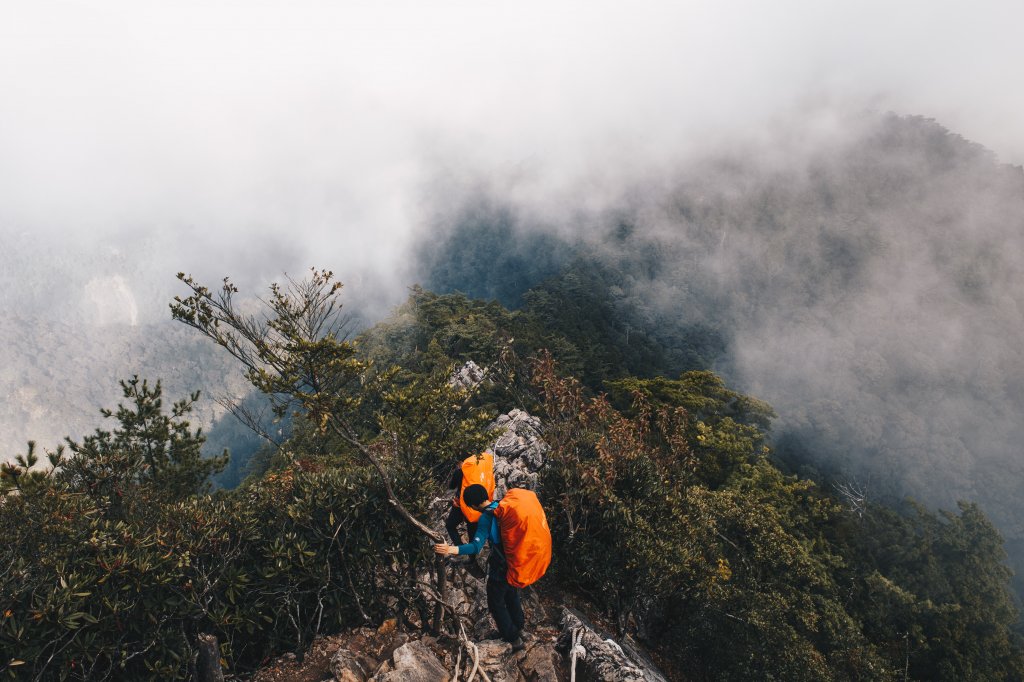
(483, 531)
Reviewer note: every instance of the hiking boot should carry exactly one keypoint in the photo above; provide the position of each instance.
(518, 645)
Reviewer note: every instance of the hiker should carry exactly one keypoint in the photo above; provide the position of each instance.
(520, 552)
(473, 469)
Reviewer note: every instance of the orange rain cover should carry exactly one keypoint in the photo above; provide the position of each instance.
(525, 536)
(476, 469)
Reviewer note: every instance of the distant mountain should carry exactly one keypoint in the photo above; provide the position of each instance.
(57, 375)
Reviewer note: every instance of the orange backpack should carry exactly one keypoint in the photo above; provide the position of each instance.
(525, 536)
(476, 469)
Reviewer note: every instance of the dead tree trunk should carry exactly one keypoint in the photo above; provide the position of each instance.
(208, 666)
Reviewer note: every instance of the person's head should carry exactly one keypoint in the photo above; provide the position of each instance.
(475, 496)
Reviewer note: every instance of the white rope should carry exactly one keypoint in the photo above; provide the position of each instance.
(476, 662)
(470, 646)
(577, 650)
(476, 656)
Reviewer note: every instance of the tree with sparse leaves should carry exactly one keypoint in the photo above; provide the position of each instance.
(296, 352)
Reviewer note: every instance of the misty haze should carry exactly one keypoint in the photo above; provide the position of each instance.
(825, 208)
(868, 286)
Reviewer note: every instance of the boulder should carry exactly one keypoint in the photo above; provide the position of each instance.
(413, 662)
(348, 666)
(520, 439)
(497, 660)
(542, 663)
(519, 451)
(467, 377)
(518, 478)
(357, 659)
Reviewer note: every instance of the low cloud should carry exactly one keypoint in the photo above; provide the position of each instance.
(255, 138)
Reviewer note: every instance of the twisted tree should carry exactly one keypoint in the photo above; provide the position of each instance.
(296, 350)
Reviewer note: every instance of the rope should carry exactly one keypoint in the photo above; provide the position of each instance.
(463, 637)
(577, 650)
(476, 655)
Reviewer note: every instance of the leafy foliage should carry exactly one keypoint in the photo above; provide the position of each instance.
(295, 352)
(665, 506)
(935, 593)
(113, 575)
(672, 518)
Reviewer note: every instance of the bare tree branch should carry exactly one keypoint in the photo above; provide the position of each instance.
(295, 352)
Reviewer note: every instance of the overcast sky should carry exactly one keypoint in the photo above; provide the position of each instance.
(318, 128)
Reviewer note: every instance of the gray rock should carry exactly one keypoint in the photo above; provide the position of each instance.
(519, 478)
(542, 663)
(603, 658)
(413, 662)
(467, 377)
(519, 451)
(467, 594)
(529, 448)
(350, 667)
(497, 660)
(502, 467)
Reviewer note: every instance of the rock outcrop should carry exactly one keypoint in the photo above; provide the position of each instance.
(412, 662)
(468, 377)
(519, 451)
(600, 657)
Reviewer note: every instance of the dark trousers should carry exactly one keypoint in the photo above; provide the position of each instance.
(504, 604)
(451, 524)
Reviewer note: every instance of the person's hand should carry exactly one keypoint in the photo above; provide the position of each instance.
(444, 549)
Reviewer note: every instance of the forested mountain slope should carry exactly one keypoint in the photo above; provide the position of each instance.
(57, 374)
(741, 371)
(864, 277)
(668, 515)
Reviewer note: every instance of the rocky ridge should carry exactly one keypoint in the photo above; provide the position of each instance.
(558, 638)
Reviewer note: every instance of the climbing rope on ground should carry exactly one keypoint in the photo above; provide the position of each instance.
(463, 637)
(476, 656)
(576, 651)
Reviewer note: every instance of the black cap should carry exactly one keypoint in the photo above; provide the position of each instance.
(475, 495)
